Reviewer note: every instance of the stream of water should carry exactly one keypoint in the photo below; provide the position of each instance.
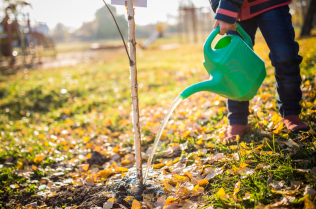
(162, 126)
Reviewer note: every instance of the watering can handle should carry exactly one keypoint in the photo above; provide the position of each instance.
(246, 37)
(241, 31)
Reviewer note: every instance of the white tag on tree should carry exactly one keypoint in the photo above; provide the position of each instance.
(136, 3)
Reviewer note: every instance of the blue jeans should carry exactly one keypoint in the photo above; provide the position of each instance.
(278, 32)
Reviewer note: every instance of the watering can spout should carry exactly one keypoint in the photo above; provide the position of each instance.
(212, 85)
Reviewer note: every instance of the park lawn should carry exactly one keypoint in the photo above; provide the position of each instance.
(51, 122)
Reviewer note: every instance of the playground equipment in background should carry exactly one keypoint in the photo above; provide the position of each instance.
(158, 34)
(19, 39)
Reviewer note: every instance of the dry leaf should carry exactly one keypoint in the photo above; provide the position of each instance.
(309, 190)
(237, 187)
(221, 194)
(295, 185)
(276, 185)
(136, 205)
(308, 204)
(109, 204)
(245, 172)
(168, 187)
(291, 143)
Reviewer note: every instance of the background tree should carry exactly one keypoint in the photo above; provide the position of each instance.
(309, 19)
(106, 26)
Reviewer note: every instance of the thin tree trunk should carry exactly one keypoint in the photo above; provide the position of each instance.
(309, 19)
(133, 72)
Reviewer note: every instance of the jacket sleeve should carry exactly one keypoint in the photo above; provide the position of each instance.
(226, 10)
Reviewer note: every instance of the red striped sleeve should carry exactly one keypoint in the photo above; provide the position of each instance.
(227, 12)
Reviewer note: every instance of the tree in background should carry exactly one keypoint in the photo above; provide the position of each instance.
(60, 32)
(105, 25)
(309, 19)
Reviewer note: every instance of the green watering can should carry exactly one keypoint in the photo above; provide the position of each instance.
(236, 72)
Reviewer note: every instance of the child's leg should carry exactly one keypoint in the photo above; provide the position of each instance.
(277, 30)
(239, 111)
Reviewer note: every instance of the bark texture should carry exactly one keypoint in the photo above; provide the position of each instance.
(309, 19)
(134, 88)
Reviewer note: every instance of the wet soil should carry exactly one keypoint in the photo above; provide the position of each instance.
(87, 196)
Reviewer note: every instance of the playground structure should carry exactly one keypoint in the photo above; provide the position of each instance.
(157, 34)
(194, 21)
(21, 42)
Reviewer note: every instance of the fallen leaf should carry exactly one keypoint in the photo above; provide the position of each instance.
(136, 205)
(20, 166)
(109, 204)
(237, 187)
(203, 182)
(291, 143)
(221, 194)
(168, 187)
(276, 185)
(245, 172)
(308, 204)
(157, 166)
(310, 191)
(279, 128)
(295, 185)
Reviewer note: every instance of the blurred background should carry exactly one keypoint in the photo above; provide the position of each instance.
(32, 31)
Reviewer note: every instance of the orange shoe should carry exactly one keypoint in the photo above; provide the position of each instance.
(294, 124)
(234, 130)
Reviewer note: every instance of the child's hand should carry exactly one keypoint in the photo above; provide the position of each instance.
(224, 26)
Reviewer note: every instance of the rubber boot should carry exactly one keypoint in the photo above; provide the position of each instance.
(234, 130)
(294, 124)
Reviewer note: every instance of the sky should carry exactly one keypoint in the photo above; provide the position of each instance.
(73, 12)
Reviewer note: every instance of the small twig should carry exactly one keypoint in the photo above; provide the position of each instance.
(119, 31)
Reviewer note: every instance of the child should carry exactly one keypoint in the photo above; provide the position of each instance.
(273, 19)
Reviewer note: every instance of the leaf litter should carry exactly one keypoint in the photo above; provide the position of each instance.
(86, 160)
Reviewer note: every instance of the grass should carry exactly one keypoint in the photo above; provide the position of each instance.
(49, 116)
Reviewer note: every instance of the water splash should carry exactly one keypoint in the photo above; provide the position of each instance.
(162, 126)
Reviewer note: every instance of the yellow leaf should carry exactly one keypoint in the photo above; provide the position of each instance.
(307, 83)
(279, 128)
(66, 148)
(136, 205)
(34, 167)
(86, 139)
(243, 164)
(233, 147)
(276, 118)
(20, 166)
(16, 186)
(89, 155)
(221, 193)
(157, 166)
(203, 182)
(84, 167)
(129, 198)
(180, 179)
(237, 188)
(105, 173)
(111, 200)
(41, 136)
(81, 133)
(308, 204)
(38, 159)
(244, 145)
(170, 200)
(121, 169)
(259, 114)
